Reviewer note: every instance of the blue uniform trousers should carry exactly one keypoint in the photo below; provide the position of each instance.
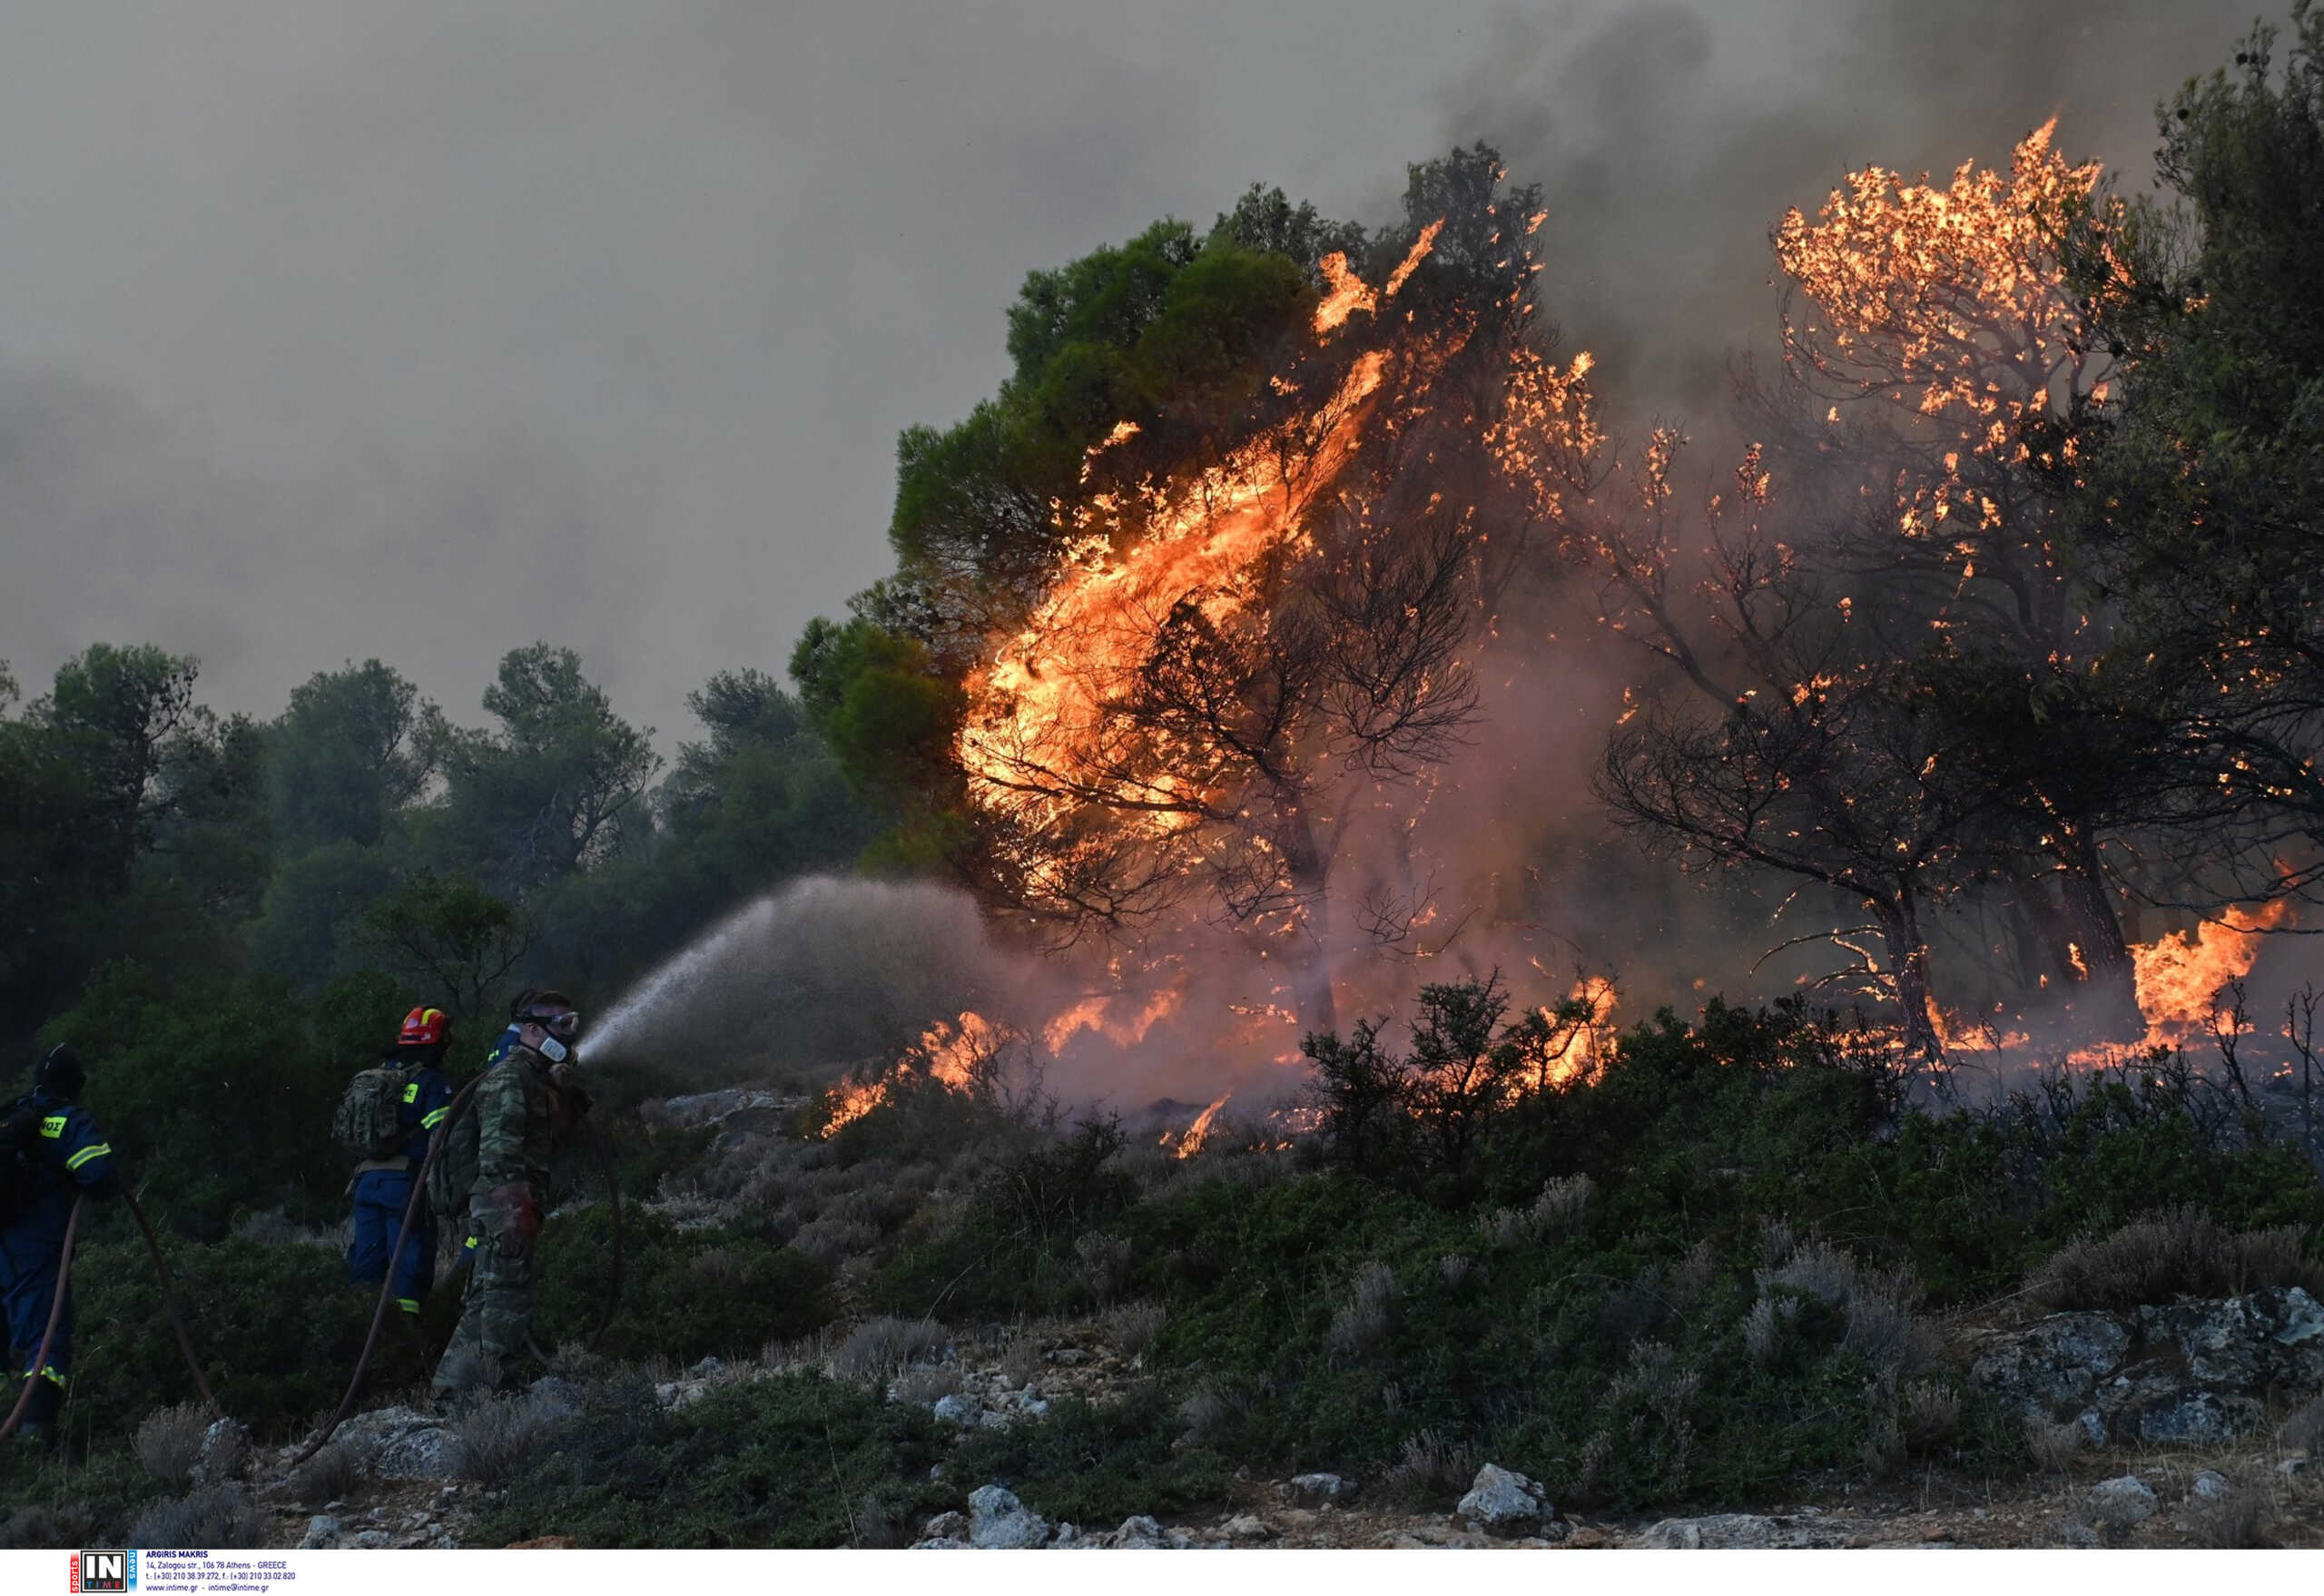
(379, 1199)
(29, 1254)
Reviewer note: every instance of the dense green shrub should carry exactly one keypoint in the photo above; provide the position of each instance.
(684, 1294)
(1096, 1465)
(787, 1462)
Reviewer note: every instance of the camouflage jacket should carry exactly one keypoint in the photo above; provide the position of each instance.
(515, 1114)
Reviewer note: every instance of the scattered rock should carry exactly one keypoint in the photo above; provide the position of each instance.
(1245, 1526)
(225, 1452)
(2211, 1486)
(2292, 1467)
(2161, 1410)
(1504, 1502)
(544, 1544)
(945, 1526)
(1141, 1533)
(2122, 1502)
(2057, 1363)
(366, 1434)
(674, 1395)
(555, 1399)
(426, 1454)
(998, 1522)
(373, 1540)
(1316, 1489)
(957, 1409)
(322, 1530)
(1730, 1531)
(708, 1369)
(2249, 1343)
(2189, 1374)
(1069, 1538)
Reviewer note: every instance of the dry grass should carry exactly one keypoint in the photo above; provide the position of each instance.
(2178, 1253)
(501, 1437)
(1024, 1361)
(1206, 1414)
(2304, 1430)
(1877, 1306)
(927, 1384)
(220, 1516)
(2053, 1446)
(880, 1348)
(328, 1476)
(169, 1443)
(2238, 1522)
(1364, 1320)
(1131, 1327)
(1105, 1263)
(1428, 1469)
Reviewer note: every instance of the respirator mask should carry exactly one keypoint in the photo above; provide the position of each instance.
(561, 1029)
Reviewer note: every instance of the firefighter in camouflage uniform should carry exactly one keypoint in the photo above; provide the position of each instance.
(526, 1104)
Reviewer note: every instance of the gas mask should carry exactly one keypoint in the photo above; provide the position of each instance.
(559, 1030)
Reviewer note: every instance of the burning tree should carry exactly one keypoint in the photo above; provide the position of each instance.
(1249, 619)
(1943, 380)
(1799, 752)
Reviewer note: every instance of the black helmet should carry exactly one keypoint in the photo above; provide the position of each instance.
(60, 1074)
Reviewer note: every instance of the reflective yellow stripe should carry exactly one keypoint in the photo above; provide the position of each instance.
(411, 1093)
(86, 1154)
(406, 1305)
(471, 1244)
(429, 1121)
(52, 1127)
(50, 1374)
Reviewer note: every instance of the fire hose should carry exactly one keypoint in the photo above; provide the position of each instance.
(436, 1146)
(56, 1309)
(169, 1300)
(55, 1313)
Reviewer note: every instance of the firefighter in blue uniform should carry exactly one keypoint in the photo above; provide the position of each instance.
(68, 1155)
(383, 1186)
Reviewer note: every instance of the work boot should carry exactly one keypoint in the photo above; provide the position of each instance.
(39, 1426)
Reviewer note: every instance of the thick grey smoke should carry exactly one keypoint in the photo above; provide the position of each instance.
(1670, 136)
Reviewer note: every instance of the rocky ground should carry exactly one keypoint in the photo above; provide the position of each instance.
(2156, 1422)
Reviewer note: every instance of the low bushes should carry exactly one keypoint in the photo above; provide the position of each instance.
(788, 1461)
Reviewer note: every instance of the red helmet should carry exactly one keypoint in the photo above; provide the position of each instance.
(425, 1028)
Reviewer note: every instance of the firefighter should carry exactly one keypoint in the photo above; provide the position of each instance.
(64, 1153)
(383, 1186)
(527, 1102)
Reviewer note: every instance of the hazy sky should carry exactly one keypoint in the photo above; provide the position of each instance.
(424, 330)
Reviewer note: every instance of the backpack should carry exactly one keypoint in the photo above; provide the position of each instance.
(368, 1122)
(453, 1175)
(19, 1143)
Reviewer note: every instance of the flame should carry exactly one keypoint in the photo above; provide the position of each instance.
(1091, 1015)
(1588, 1041)
(1187, 1145)
(2179, 976)
(950, 1054)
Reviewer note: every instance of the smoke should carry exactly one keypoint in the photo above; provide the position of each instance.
(1670, 136)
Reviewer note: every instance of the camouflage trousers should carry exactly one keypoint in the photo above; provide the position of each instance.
(494, 1332)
